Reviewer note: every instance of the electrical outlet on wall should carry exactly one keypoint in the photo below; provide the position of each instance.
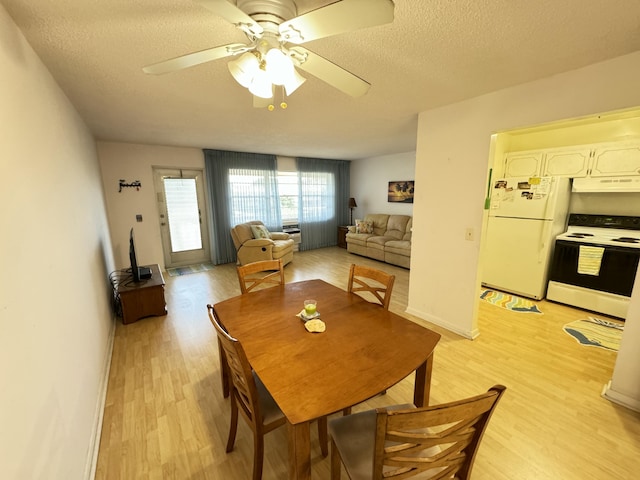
(468, 234)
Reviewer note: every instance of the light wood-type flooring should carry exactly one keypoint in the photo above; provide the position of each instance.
(165, 417)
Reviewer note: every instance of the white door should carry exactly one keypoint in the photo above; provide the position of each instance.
(183, 224)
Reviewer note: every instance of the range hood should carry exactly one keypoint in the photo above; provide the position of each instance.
(606, 184)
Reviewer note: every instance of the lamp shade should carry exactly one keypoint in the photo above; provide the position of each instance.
(261, 86)
(352, 203)
(244, 69)
(293, 82)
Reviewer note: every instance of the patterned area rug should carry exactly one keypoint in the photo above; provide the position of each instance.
(594, 332)
(510, 302)
(201, 267)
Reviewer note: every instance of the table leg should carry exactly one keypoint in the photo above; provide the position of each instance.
(422, 384)
(299, 451)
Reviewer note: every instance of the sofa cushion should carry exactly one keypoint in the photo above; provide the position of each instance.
(243, 233)
(397, 226)
(358, 238)
(378, 240)
(400, 247)
(260, 231)
(379, 221)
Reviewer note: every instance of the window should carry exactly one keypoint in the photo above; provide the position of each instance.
(288, 191)
(183, 214)
(318, 196)
(250, 198)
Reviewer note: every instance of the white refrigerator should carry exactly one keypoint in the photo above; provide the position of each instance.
(525, 216)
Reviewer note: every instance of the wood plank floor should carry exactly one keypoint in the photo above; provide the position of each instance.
(165, 417)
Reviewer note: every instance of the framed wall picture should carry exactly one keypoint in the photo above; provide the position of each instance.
(400, 191)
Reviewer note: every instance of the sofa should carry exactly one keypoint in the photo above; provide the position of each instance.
(254, 242)
(383, 237)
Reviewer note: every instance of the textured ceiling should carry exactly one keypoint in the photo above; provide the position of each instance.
(434, 53)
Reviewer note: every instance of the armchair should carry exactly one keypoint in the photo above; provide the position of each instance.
(277, 245)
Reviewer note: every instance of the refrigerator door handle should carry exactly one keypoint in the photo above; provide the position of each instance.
(544, 237)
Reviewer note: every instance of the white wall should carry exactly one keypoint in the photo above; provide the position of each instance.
(55, 317)
(453, 152)
(370, 179)
(132, 162)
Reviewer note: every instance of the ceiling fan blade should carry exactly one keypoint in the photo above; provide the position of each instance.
(232, 14)
(330, 73)
(339, 17)
(196, 58)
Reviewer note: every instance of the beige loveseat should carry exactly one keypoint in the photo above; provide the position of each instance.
(388, 239)
(252, 248)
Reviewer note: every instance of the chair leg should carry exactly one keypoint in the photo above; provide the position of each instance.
(258, 455)
(335, 461)
(233, 427)
(322, 436)
(346, 411)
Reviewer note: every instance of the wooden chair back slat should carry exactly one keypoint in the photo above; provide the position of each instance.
(375, 284)
(265, 273)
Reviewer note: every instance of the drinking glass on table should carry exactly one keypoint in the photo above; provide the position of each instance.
(310, 307)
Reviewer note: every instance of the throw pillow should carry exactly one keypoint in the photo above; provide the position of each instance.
(364, 226)
(260, 231)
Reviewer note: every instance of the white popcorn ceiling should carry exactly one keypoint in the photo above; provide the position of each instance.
(434, 53)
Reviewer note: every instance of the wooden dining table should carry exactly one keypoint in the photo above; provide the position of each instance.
(364, 350)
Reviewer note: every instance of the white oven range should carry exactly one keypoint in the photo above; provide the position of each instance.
(595, 262)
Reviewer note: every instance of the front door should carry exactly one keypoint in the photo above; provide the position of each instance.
(183, 224)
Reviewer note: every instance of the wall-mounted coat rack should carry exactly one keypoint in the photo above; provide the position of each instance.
(123, 184)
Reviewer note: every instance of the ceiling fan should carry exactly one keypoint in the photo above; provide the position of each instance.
(275, 33)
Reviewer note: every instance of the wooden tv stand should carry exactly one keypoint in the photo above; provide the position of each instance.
(143, 299)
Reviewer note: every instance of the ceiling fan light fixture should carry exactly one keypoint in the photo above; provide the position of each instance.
(293, 82)
(279, 66)
(261, 85)
(244, 68)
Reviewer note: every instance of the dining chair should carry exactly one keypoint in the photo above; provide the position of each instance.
(251, 275)
(377, 283)
(262, 273)
(436, 442)
(251, 398)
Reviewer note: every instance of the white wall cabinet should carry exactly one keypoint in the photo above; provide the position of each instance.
(617, 159)
(597, 160)
(567, 162)
(523, 164)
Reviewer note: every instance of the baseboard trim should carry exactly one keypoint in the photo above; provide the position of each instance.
(469, 334)
(94, 446)
(619, 398)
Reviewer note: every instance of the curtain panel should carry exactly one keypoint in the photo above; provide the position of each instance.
(242, 187)
(323, 200)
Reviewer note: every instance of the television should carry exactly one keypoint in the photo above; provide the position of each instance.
(138, 273)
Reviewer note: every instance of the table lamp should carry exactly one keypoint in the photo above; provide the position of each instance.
(352, 205)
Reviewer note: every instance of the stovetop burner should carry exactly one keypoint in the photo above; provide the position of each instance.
(626, 240)
(580, 235)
